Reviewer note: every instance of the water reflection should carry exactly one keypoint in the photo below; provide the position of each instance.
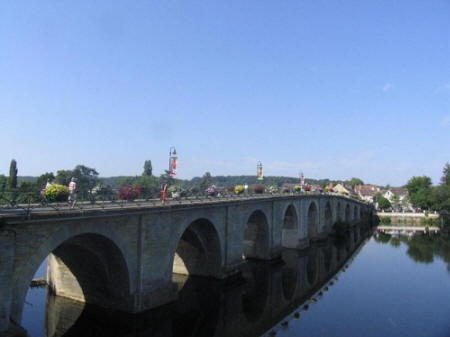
(422, 247)
(267, 297)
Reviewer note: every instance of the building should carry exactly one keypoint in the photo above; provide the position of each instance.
(366, 192)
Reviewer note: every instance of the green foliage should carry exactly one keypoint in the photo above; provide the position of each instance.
(420, 192)
(206, 181)
(430, 222)
(43, 178)
(384, 203)
(297, 188)
(148, 185)
(445, 180)
(239, 189)
(3, 182)
(395, 242)
(148, 169)
(12, 180)
(385, 220)
(382, 238)
(353, 182)
(56, 192)
(63, 177)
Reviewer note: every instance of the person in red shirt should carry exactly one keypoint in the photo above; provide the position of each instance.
(163, 193)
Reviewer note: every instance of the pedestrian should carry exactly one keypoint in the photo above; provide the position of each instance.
(163, 193)
(72, 193)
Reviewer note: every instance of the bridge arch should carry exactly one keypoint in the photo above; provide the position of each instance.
(256, 243)
(289, 279)
(313, 219)
(256, 290)
(290, 227)
(198, 250)
(96, 266)
(312, 269)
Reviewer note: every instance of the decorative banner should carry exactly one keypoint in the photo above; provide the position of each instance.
(302, 180)
(259, 171)
(173, 166)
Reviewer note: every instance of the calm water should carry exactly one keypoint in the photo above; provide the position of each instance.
(389, 286)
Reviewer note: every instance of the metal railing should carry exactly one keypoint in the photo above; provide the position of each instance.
(112, 201)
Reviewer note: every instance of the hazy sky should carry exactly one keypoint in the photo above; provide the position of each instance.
(332, 88)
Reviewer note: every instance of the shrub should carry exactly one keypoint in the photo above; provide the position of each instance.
(258, 189)
(238, 189)
(385, 220)
(129, 193)
(297, 188)
(56, 192)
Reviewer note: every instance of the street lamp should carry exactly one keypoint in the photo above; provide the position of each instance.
(173, 162)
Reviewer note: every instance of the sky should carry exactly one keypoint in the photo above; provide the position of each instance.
(334, 89)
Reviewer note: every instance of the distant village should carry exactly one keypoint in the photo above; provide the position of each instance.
(397, 196)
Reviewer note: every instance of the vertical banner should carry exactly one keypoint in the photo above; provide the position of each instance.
(173, 166)
(259, 171)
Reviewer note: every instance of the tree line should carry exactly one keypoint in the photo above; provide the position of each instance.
(15, 189)
(424, 195)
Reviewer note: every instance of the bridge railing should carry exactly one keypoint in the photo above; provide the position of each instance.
(29, 203)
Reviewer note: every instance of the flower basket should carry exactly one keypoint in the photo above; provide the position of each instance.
(258, 189)
(129, 193)
(238, 189)
(56, 192)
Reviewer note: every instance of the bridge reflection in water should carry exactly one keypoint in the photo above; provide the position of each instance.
(267, 297)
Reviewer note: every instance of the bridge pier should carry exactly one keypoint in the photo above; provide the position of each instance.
(7, 252)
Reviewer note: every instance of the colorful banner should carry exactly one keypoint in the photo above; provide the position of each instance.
(260, 172)
(173, 166)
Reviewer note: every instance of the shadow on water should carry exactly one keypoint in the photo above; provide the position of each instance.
(266, 297)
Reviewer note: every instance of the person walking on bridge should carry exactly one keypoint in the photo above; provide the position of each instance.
(72, 193)
(163, 193)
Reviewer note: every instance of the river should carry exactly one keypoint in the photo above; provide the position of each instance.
(377, 286)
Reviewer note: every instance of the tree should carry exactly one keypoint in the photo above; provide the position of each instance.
(206, 181)
(445, 180)
(43, 178)
(3, 182)
(441, 193)
(147, 168)
(63, 177)
(384, 203)
(148, 185)
(86, 178)
(420, 192)
(354, 181)
(12, 180)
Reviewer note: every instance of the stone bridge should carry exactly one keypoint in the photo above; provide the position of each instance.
(125, 259)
